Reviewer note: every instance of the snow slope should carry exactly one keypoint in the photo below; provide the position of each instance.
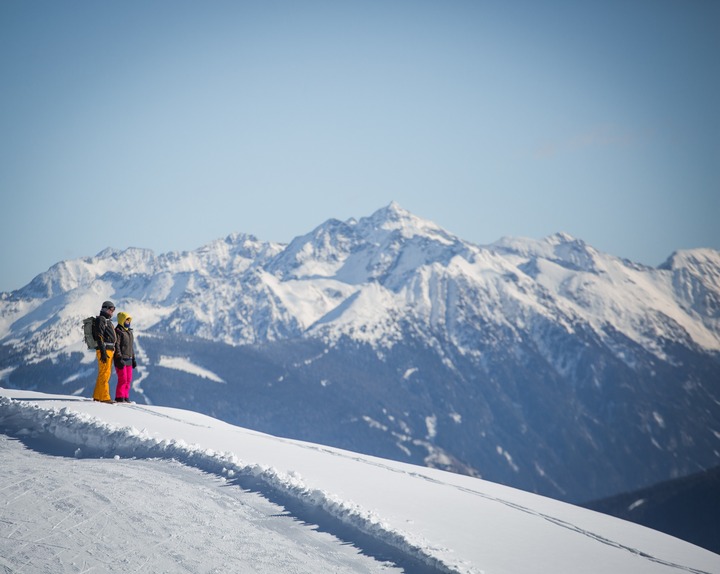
(126, 495)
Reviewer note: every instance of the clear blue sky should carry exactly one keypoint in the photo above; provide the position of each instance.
(167, 124)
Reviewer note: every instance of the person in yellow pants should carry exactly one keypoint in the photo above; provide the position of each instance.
(102, 384)
(104, 333)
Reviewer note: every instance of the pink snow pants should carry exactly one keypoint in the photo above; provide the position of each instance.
(124, 375)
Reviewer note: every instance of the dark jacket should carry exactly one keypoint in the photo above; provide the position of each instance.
(124, 352)
(104, 332)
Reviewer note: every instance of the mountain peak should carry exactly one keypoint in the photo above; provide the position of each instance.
(693, 258)
(561, 237)
(394, 209)
(390, 214)
(395, 219)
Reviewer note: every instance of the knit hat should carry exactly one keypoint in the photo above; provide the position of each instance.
(122, 317)
(108, 304)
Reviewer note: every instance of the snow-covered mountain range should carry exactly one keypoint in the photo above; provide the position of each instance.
(542, 364)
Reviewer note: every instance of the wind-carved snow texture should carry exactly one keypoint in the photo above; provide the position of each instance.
(549, 349)
(626, 548)
(67, 515)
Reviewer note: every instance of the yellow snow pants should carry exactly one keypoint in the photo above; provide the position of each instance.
(102, 385)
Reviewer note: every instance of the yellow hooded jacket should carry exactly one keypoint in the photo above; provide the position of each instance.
(124, 350)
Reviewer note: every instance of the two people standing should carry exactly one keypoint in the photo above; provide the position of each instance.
(114, 345)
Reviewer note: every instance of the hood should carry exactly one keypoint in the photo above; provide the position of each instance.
(122, 317)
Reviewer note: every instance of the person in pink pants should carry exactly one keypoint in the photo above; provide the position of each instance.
(124, 357)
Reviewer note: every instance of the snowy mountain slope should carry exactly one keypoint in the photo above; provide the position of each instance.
(546, 364)
(431, 521)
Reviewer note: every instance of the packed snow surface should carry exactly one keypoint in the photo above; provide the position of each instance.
(91, 487)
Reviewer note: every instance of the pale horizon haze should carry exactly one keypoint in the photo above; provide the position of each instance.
(169, 124)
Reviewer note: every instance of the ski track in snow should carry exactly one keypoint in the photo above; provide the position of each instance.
(96, 439)
(157, 414)
(553, 520)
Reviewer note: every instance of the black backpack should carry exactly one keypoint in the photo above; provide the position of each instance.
(89, 332)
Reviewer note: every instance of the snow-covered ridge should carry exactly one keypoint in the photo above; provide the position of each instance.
(327, 284)
(449, 523)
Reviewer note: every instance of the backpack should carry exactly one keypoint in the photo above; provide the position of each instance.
(89, 332)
